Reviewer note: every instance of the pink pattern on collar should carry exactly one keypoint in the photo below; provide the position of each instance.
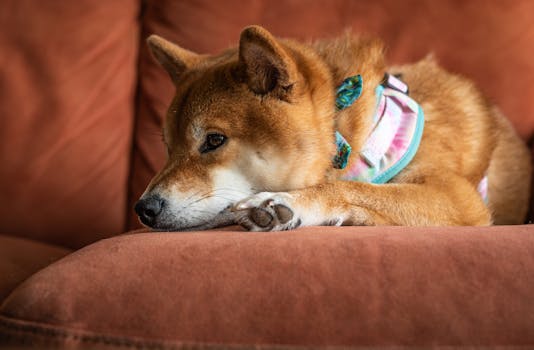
(394, 138)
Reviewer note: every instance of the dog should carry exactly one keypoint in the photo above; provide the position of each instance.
(275, 134)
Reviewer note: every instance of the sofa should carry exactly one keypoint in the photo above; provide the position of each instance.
(81, 107)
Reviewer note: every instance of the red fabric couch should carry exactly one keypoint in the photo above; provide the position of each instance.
(81, 106)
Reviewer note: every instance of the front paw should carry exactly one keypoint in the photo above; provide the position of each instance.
(266, 211)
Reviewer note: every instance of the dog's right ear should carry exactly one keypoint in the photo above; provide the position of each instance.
(172, 57)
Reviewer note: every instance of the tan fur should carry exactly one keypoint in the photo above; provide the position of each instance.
(274, 100)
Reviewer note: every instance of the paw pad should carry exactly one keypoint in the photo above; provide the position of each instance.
(261, 217)
(283, 213)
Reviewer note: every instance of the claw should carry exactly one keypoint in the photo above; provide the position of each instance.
(240, 206)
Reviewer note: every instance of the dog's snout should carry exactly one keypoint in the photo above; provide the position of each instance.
(148, 209)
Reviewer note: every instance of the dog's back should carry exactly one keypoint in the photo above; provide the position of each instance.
(464, 133)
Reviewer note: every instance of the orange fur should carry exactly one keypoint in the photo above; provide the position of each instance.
(274, 101)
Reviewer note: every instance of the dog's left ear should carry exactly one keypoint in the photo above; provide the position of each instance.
(268, 66)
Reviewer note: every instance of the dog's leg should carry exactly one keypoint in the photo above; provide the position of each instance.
(449, 202)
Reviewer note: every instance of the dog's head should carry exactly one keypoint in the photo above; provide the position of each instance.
(255, 118)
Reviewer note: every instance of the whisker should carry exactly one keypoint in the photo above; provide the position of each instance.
(225, 193)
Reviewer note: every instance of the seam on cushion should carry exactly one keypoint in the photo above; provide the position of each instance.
(20, 332)
(13, 331)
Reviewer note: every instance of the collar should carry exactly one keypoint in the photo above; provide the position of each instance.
(395, 136)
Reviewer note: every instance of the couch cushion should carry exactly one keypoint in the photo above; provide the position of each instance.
(67, 82)
(20, 258)
(373, 286)
(490, 42)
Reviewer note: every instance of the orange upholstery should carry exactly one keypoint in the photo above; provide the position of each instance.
(68, 79)
(81, 107)
(414, 287)
(20, 258)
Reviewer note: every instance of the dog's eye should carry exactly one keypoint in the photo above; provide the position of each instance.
(213, 141)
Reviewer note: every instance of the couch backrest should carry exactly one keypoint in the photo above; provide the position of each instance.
(67, 83)
(72, 160)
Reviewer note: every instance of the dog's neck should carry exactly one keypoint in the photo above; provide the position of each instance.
(345, 57)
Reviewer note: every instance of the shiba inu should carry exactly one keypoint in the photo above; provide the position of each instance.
(275, 134)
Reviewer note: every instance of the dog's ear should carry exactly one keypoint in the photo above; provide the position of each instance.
(268, 67)
(173, 58)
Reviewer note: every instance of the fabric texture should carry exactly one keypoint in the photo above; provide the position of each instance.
(349, 91)
(75, 76)
(343, 150)
(20, 258)
(489, 42)
(394, 139)
(373, 286)
(67, 82)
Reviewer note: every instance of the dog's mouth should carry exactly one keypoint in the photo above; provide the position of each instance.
(179, 228)
(224, 218)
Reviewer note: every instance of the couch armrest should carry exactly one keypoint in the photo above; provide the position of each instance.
(20, 258)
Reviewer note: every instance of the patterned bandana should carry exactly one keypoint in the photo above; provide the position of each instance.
(395, 137)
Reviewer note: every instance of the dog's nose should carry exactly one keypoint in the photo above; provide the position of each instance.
(148, 209)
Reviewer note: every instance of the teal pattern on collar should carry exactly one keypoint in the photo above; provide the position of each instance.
(343, 152)
(349, 91)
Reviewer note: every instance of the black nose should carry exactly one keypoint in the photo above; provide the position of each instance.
(148, 209)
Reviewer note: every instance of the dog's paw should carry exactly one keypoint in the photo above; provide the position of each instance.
(266, 211)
